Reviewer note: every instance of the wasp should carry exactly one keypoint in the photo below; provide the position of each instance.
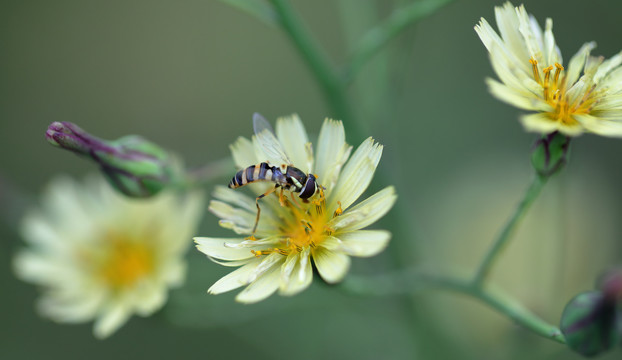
(278, 169)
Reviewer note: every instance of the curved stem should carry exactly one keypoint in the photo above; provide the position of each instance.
(407, 282)
(332, 86)
(376, 38)
(495, 250)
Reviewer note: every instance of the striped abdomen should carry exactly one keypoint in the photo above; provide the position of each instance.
(259, 172)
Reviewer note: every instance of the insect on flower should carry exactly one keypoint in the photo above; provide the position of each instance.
(278, 169)
(294, 235)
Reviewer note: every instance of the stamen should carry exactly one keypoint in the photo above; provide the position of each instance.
(556, 95)
(258, 253)
(560, 68)
(536, 73)
(307, 224)
(584, 98)
(547, 75)
(281, 251)
(339, 210)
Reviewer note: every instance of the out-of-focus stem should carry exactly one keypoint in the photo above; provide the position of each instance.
(376, 38)
(409, 282)
(497, 247)
(333, 88)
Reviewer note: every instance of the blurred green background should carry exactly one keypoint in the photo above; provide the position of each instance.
(189, 74)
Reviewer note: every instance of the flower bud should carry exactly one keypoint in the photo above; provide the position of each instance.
(550, 153)
(611, 285)
(133, 165)
(590, 323)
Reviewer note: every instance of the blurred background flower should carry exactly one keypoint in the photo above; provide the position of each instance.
(100, 256)
(188, 75)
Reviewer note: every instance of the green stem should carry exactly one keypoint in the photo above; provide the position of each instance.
(376, 38)
(406, 282)
(332, 86)
(495, 250)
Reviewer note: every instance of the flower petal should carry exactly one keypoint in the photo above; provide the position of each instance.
(356, 175)
(365, 213)
(293, 136)
(541, 123)
(300, 275)
(261, 288)
(509, 23)
(607, 67)
(72, 307)
(243, 152)
(332, 153)
(111, 320)
(266, 264)
(511, 96)
(41, 269)
(234, 279)
(153, 297)
(242, 221)
(234, 197)
(215, 247)
(577, 62)
(364, 243)
(332, 266)
(601, 126)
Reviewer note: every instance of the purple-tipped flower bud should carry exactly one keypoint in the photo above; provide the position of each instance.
(590, 323)
(550, 153)
(133, 165)
(611, 285)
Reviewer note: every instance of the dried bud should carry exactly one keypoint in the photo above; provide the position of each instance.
(590, 323)
(133, 165)
(550, 153)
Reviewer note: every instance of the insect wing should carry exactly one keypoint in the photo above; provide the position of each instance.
(269, 143)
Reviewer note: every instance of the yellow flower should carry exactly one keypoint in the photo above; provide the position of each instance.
(98, 255)
(583, 96)
(291, 231)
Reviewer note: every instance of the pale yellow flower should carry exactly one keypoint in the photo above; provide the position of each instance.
(585, 95)
(292, 234)
(100, 256)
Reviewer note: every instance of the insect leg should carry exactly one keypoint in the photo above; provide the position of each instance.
(259, 209)
(282, 199)
(294, 199)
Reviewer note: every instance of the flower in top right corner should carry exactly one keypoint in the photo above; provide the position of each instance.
(585, 95)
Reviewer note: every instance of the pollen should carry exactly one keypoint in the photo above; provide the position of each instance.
(305, 225)
(125, 262)
(552, 79)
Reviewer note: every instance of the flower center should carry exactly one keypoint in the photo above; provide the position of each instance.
(554, 91)
(306, 226)
(125, 262)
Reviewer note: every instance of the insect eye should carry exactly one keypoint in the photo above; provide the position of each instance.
(309, 188)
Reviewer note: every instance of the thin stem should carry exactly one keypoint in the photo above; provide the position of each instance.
(376, 38)
(317, 61)
(407, 282)
(495, 250)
